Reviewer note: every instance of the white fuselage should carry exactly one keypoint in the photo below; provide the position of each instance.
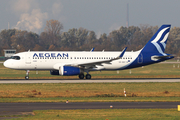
(52, 60)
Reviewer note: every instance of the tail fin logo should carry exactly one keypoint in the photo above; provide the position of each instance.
(160, 40)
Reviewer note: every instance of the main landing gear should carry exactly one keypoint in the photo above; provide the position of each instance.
(81, 76)
(27, 75)
(88, 76)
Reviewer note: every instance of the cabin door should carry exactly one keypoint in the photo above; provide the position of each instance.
(28, 58)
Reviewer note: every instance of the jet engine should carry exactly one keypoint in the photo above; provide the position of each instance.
(66, 70)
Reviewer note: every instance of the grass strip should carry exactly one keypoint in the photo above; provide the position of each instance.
(45, 90)
(89, 92)
(106, 114)
(91, 99)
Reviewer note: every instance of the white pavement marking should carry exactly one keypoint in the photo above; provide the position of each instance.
(89, 81)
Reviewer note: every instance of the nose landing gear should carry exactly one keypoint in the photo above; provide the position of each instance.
(27, 75)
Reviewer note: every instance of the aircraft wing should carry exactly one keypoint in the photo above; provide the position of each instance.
(93, 64)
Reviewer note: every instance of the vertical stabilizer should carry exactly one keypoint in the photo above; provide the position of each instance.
(157, 43)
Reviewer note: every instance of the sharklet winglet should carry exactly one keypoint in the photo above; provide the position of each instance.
(122, 54)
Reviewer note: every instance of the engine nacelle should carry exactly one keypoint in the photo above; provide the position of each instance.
(66, 70)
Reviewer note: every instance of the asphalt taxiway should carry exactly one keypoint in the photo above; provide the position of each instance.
(6, 108)
(91, 80)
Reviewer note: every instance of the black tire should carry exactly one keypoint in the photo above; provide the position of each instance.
(27, 77)
(81, 76)
(88, 76)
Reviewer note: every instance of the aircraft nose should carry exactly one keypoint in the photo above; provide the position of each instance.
(7, 64)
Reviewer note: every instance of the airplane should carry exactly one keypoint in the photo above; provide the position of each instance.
(68, 63)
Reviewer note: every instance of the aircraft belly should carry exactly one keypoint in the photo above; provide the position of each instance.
(41, 65)
(115, 65)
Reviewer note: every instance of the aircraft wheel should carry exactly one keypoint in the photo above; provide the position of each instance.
(88, 76)
(81, 76)
(27, 77)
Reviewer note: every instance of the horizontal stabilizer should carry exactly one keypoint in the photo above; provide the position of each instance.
(156, 58)
(162, 57)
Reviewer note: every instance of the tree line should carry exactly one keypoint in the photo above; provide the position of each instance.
(54, 39)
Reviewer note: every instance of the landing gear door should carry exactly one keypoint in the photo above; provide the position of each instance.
(28, 58)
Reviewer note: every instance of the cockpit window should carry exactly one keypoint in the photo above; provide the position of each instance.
(15, 57)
